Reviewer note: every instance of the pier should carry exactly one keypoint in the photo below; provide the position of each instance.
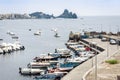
(78, 72)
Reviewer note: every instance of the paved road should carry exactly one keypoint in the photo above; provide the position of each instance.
(78, 72)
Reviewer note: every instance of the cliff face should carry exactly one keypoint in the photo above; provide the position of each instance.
(67, 14)
(40, 15)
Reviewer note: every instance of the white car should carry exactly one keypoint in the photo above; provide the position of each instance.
(113, 41)
(104, 39)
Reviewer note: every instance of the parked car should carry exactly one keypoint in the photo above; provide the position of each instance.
(113, 42)
(104, 39)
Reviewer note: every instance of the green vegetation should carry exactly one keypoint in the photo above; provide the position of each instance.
(112, 61)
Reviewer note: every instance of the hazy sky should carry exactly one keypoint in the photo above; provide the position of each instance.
(81, 7)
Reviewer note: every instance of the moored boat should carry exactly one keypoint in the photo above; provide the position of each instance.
(37, 32)
(63, 52)
(45, 58)
(49, 76)
(30, 71)
(1, 51)
(38, 65)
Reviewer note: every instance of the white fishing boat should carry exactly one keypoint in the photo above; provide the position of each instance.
(30, 71)
(46, 59)
(65, 69)
(74, 60)
(63, 52)
(15, 37)
(1, 51)
(57, 55)
(37, 32)
(56, 34)
(6, 48)
(10, 33)
(86, 54)
(55, 30)
(17, 46)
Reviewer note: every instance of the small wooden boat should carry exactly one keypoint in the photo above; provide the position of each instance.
(30, 71)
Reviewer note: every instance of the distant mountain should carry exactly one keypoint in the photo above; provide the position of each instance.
(41, 15)
(67, 14)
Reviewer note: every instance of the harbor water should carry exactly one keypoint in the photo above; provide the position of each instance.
(46, 42)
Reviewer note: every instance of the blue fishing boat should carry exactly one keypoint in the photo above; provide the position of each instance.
(49, 76)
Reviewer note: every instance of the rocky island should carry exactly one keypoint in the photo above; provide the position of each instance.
(41, 15)
(67, 14)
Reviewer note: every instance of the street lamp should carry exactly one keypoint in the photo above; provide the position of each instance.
(90, 46)
(118, 38)
(94, 43)
(107, 49)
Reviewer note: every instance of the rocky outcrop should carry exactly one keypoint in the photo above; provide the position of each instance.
(40, 15)
(67, 14)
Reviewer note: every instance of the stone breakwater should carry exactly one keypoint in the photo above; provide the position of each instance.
(79, 71)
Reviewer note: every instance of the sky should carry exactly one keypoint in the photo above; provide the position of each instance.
(56, 7)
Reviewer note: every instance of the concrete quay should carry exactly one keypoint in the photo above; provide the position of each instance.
(78, 72)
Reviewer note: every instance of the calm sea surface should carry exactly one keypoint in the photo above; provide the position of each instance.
(36, 45)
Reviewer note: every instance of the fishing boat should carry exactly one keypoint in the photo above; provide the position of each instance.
(65, 69)
(1, 39)
(60, 69)
(6, 48)
(56, 34)
(63, 52)
(49, 76)
(38, 65)
(45, 58)
(15, 37)
(55, 31)
(10, 33)
(83, 59)
(88, 54)
(57, 55)
(30, 71)
(1, 51)
(17, 46)
(37, 32)
(74, 61)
